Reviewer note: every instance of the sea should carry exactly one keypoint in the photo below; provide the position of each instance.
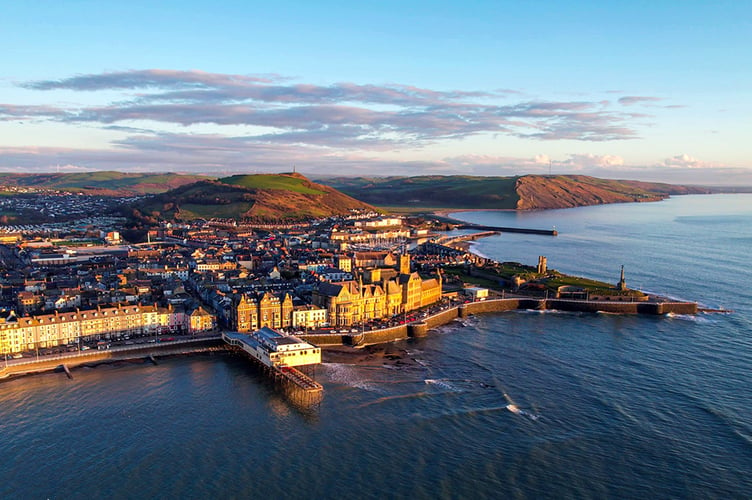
(606, 406)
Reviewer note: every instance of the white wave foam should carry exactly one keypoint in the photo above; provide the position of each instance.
(349, 375)
(441, 383)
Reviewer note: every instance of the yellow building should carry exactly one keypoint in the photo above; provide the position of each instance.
(349, 302)
(270, 311)
(202, 321)
(48, 330)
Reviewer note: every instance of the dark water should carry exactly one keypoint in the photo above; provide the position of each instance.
(612, 406)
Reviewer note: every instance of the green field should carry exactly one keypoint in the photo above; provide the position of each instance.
(271, 181)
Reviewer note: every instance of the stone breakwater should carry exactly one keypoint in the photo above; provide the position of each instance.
(421, 328)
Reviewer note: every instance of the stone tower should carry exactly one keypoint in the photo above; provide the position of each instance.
(622, 282)
(404, 263)
(542, 264)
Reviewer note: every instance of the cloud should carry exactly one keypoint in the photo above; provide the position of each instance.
(632, 100)
(684, 161)
(355, 116)
(589, 161)
(154, 78)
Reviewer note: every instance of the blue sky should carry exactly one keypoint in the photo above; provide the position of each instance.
(657, 90)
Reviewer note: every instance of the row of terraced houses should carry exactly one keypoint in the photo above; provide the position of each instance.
(19, 334)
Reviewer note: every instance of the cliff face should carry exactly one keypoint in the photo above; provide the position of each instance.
(537, 192)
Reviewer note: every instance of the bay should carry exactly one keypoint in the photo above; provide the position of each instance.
(612, 406)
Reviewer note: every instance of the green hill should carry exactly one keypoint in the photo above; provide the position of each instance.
(105, 183)
(526, 192)
(282, 197)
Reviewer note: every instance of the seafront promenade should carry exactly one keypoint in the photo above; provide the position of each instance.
(411, 329)
(147, 351)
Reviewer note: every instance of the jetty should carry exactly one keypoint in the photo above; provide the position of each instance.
(278, 356)
(503, 229)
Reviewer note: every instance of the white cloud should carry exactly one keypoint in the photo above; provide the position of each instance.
(684, 161)
(586, 161)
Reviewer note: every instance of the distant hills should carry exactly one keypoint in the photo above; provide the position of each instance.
(294, 197)
(273, 197)
(527, 192)
(105, 183)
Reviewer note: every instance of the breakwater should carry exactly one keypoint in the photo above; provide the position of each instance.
(420, 328)
(545, 232)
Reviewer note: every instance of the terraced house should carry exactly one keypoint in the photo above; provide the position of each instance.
(26, 333)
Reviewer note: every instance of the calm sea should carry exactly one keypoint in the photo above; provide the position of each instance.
(612, 406)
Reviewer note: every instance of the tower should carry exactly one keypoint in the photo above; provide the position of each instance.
(404, 263)
(542, 264)
(622, 282)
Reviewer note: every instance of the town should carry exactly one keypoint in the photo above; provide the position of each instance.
(85, 287)
(79, 285)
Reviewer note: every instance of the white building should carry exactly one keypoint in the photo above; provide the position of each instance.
(309, 316)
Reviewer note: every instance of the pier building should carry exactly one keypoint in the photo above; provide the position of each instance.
(278, 355)
(274, 349)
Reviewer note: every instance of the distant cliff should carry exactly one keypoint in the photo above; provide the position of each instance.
(528, 192)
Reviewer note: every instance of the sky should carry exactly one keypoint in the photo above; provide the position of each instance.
(658, 90)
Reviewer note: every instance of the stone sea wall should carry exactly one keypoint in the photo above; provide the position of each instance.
(421, 328)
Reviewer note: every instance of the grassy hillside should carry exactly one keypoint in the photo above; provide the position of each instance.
(289, 182)
(283, 197)
(527, 192)
(105, 183)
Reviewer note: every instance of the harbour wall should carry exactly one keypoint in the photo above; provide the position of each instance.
(656, 308)
(421, 328)
(547, 232)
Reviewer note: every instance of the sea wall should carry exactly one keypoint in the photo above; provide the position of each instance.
(500, 305)
(143, 351)
(324, 339)
(623, 307)
(421, 328)
(442, 318)
(379, 336)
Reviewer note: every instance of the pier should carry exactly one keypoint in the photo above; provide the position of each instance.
(277, 355)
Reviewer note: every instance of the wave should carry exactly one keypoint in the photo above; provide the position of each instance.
(694, 318)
